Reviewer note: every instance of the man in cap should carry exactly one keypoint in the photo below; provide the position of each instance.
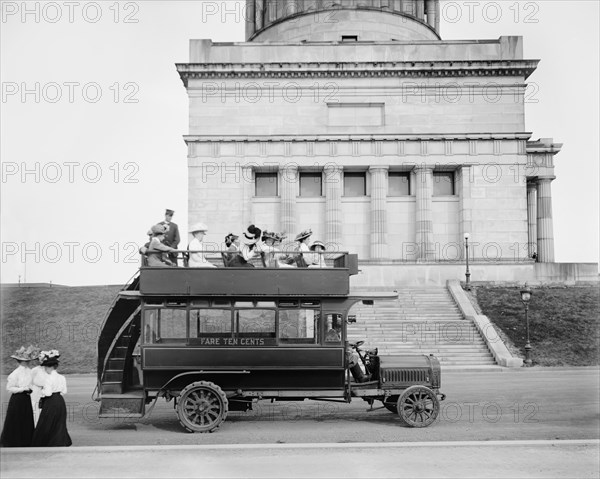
(171, 234)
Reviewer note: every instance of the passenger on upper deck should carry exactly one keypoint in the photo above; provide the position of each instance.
(197, 259)
(232, 244)
(157, 251)
(171, 234)
(249, 249)
(302, 248)
(318, 257)
(269, 246)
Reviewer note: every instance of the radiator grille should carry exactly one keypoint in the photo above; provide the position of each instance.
(405, 375)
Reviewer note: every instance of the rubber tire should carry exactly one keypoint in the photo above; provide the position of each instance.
(411, 406)
(206, 395)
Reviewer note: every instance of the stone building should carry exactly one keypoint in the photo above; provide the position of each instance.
(354, 118)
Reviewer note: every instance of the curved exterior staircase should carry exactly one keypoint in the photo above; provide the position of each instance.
(421, 321)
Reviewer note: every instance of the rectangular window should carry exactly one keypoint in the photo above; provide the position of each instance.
(398, 184)
(266, 184)
(355, 184)
(298, 325)
(443, 183)
(210, 322)
(165, 326)
(311, 184)
(258, 323)
(333, 331)
(349, 38)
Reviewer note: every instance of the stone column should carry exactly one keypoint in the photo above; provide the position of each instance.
(291, 7)
(421, 9)
(288, 181)
(248, 187)
(431, 12)
(424, 226)
(545, 228)
(250, 18)
(333, 179)
(531, 217)
(438, 14)
(465, 206)
(259, 14)
(379, 190)
(410, 7)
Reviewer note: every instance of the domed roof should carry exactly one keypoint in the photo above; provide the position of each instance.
(341, 20)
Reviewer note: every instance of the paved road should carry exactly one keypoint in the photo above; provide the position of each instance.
(490, 410)
(482, 406)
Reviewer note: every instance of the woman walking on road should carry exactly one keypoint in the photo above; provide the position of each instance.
(18, 424)
(51, 429)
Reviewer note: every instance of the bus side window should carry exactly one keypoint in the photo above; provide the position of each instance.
(333, 330)
(173, 326)
(151, 333)
(298, 325)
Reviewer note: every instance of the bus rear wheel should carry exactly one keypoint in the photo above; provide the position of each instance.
(202, 407)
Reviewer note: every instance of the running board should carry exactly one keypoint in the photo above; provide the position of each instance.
(132, 404)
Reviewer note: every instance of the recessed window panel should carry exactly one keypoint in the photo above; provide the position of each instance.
(265, 184)
(398, 184)
(355, 184)
(443, 183)
(311, 184)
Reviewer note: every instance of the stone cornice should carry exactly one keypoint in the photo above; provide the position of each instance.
(438, 69)
(328, 138)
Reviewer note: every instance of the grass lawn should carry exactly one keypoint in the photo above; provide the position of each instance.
(63, 318)
(563, 322)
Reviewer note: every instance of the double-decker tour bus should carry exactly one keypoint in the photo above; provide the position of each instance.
(220, 339)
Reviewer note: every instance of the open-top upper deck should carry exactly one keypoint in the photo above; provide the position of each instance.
(334, 281)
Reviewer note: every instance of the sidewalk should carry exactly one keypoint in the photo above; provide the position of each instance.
(507, 459)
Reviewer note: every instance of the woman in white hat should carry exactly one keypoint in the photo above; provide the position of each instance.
(318, 256)
(51, 429)
(197, 258)
(18, 423)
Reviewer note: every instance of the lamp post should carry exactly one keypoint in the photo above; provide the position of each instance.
(526, 297)
(467, 273)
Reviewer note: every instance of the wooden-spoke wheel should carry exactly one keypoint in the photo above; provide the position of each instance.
(392, 404)
(202, 407)
(418, 406)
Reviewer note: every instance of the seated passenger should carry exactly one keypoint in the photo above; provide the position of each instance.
(157, 251)
(248, 249)
(144, 249)
(269, 246)
(318, 259)
(197, 259)
(232, 244)
(302, 248)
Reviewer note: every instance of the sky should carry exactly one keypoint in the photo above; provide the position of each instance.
(93, 115)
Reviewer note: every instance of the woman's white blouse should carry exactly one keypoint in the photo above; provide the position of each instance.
(55, 383)
(198, 260)
(19, 380)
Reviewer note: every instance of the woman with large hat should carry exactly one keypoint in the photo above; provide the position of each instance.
(248, 249)
(158, 252)
(303, 249)
(318, 255)
(51, 429)
(197, 259)
(18, 422)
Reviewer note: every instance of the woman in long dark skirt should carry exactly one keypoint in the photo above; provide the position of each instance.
(18, 423)
(51, 429)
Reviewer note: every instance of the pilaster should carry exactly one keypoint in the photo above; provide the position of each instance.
(424, 224)
(545, 227)
(248, 186)
(333, 180)
(531, 217)
(379, 187)
(288, 181)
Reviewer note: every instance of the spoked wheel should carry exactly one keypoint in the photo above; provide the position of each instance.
(202, 407)
(418, 406)
(392, 404)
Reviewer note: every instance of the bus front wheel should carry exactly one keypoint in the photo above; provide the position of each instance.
(202, 407)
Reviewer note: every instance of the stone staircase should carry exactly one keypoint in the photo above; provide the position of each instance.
(421, 321)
